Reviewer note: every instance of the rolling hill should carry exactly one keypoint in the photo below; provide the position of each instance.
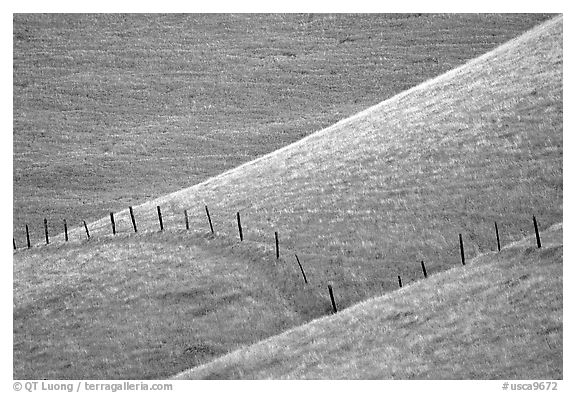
(147, 306)
(127, 108)
(360, 202)
(369, 197)
(500, 317)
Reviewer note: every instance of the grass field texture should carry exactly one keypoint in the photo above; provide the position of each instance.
(499, 317)
(148, 306)
(361, 202)
(113, 110)
(370, 197)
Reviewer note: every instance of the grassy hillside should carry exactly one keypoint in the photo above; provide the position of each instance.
(360, 202)
(112, 110)
(148, 306)
(370, 197)
(500, 317)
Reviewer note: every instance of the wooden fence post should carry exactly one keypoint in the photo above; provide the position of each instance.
(277, 247)
(301, 269)
(334, 309)
(160, 218)
(461, 249)
(86, 227)
(209, 219)
(537, 233)
(113, 224)
(186, 219)
(46, 231)
(497, 235)
(239, 226)
(27, 236)
(400, 281)
(133, 219)
(65, 230)
(424, 269)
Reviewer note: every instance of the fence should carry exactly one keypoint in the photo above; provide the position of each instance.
(241, 236)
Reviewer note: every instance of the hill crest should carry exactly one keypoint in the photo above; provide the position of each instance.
(470, 322)
(398, 182)
(360, 204)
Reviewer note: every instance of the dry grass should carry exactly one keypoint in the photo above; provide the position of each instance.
(368, 198)
(500, 317)
(113, 110)
(148, 306)
(360, 202)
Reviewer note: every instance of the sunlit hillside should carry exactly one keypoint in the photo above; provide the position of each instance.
(370, 197)
(361, 202)
(112, 110)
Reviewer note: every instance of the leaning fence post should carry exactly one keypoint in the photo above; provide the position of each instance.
(113, 224)
(400, 281)
(133, 219)
(423, 269)
(86, 227)
(497, 235)
(160, 218)
(301, 269)
(27, 236)
(537, 233)
(65, 230)
(277, 248)
(461, 249)
(209, 219)
(239, 226)
(334, 309)
(46, 230)
(186, 219)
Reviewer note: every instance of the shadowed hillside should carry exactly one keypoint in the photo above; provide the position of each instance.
(500, 317)
(112, 110)
(368, 198)
(361, 202)
(148, 306)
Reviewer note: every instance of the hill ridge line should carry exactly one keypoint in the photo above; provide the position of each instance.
(318, 135)
(430, 82)
(515, 245)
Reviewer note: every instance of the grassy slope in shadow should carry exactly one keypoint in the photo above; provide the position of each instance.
(368, 198)
(499, 317)
(127, 108)
(361, 202)
(149, 306)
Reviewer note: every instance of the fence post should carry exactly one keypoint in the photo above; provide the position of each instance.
(277, 248)
(86, 227)
(400, 281)
(537, 233)
(334, 309)
(133, 219)
(160, 218)
(65, 230)
(46, 231)
(209, 219)
(113, 224)
(186, 219)
(461, 249)
(27, 236)
(239, 226)
(424, 269)
(14, 242)
(497, 235)
(301, 269)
